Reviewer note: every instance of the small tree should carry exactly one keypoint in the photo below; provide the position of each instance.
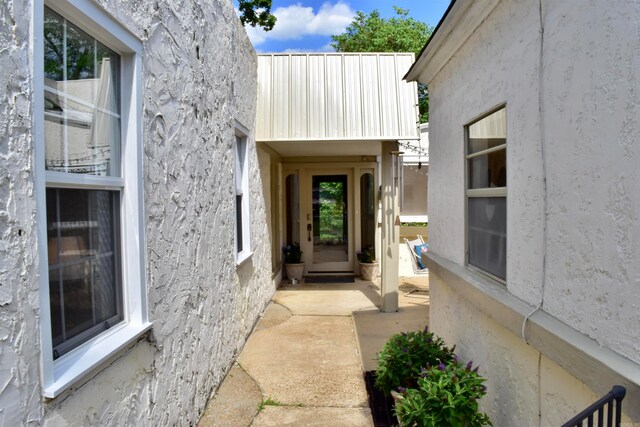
(256, 12)
(372, 33)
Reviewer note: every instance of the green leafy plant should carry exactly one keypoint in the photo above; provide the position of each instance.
(292, 254)
(367, 255)
(403, 357)
(414, 224)
(445, 395)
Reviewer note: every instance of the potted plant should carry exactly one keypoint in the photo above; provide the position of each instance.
(368, 263)
(404, 356)
(445, 395)
(293, 265)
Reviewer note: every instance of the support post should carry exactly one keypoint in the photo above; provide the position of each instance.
(390, 229)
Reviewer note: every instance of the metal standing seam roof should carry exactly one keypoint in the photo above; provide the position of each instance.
(336, 97)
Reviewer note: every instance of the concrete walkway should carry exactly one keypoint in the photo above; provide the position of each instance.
(303, 364)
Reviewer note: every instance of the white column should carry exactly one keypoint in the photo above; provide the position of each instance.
(389, 252)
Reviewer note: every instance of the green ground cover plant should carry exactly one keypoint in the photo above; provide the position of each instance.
(431, 386)
(446, 395)
(402, 358)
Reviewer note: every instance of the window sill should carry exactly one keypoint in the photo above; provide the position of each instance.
(243, 257)
(75, 365)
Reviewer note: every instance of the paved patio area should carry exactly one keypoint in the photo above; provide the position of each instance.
(303, 364)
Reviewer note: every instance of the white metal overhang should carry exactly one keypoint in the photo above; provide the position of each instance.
(335, 104)
(325, 148)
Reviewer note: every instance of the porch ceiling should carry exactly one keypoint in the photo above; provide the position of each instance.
(325, 148)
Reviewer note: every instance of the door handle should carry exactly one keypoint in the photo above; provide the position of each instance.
(309, 232)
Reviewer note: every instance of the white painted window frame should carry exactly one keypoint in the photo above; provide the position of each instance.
(65, 371)
(242, 171)
(480, 192)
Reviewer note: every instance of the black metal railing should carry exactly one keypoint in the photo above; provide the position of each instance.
(609, 405)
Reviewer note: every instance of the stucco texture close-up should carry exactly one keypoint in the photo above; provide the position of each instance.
(572, 190)
(593, 277)
(198, 81)
(462, 94)
(19, 325)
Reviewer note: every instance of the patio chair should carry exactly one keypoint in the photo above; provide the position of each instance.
(416, 247)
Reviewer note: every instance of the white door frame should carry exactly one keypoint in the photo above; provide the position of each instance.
(306, 220)
(305, 172)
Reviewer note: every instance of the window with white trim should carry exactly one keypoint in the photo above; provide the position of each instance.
(92, 292)
(241, 179)
(486, 194)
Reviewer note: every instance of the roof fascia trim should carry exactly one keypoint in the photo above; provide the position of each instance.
(458, 24)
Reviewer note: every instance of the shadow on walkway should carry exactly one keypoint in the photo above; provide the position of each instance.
(303, 363)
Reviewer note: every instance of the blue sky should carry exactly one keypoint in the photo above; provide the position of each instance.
(307, 25)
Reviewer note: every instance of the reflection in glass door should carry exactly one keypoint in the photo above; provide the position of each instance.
(367, 212)
(330, 219)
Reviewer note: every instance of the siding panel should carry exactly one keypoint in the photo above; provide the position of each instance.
(280, 94)
(408, 116)
(337, 96)
(353, 96)
(388, 95)
(370, 96)
(317, 104)
(299, 97)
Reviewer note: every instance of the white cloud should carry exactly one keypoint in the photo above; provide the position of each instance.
(332, 19)
(296, 21)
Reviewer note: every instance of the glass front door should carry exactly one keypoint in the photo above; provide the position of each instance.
(329, 225)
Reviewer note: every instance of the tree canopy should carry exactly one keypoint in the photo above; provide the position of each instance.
(256, 12)
(401, 33)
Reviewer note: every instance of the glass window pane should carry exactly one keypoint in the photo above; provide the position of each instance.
(292, 210)
(84, 257)
(480, 144)
(487, 237)
(82, 101)
(239, 235)
(330, 219)
(488, 132)
(367, 212)
(240, 169)
(488, 170)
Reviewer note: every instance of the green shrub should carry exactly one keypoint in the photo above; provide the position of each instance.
(367, 255)
(292, 254)
(402, 358)
(446, 395)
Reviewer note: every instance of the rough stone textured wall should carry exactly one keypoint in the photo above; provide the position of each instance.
(199, 75)
(19, 374)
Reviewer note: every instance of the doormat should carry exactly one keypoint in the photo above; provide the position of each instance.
(329, 279)
(381, 405)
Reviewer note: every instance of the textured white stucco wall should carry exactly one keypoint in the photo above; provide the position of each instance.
(579, 64)
(19, 299)
(199, 75)
(479, 77)
(591, 120)
(524, 388)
